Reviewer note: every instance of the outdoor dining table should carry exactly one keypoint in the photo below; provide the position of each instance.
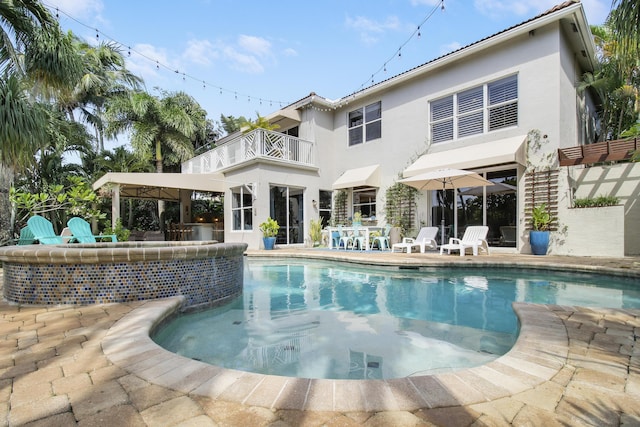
(367, 229)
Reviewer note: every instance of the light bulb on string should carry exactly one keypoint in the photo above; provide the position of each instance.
(129, 51)
(400, 53)
(442, 6)
(419, 32)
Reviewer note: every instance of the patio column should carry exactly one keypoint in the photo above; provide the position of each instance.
(185, 206)
(115, 205)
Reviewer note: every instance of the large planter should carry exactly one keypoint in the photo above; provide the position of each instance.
(539, 241)
(269, 242)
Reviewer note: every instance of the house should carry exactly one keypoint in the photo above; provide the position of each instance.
(505, 107)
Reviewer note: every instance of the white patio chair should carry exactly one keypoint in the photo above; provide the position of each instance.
(426, 238)
(474, 237)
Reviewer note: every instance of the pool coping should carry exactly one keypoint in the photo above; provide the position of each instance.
(539, 353)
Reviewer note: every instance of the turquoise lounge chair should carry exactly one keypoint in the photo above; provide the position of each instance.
(26, 236)
(81, 230)
(43, 231)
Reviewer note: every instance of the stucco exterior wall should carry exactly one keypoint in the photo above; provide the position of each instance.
(619, 180)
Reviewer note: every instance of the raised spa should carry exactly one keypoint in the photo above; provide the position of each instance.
(203, 272)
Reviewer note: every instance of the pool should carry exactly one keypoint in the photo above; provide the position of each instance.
(325, 320)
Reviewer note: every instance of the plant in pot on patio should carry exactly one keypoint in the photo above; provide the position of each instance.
(539, 235)
(269, 230)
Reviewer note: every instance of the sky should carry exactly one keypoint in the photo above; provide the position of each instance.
(244, 58)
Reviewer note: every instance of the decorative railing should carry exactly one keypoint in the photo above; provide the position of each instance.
(257, 144)
(606, 151)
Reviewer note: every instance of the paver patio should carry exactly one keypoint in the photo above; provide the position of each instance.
(61, 366)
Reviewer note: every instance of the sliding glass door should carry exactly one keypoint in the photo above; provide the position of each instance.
(286, 207)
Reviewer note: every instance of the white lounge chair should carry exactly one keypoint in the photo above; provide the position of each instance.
(474, 237)
(426, 238)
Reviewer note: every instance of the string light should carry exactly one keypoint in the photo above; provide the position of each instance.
(158, 63)
(398, 53)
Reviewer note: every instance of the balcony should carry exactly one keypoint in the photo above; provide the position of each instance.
(257, 145)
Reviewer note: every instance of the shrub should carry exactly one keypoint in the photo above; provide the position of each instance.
(592, 202)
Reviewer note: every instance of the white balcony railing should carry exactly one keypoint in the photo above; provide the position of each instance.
(257, 144)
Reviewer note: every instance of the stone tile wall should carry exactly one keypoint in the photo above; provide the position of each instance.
(107, 273)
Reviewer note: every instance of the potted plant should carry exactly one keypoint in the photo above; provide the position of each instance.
(357, 218)
(315, 231)
(269, 230)
(539, 235)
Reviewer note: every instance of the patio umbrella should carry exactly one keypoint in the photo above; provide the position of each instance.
(496, 188)
(445, 179)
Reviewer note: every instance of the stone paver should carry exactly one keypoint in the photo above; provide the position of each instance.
(55, 371)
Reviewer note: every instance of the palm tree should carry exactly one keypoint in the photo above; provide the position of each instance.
(610, 82)
(624, 20)
(104, 76)
(20, 20)
(158, 126)
(34, 55)
(122, 160)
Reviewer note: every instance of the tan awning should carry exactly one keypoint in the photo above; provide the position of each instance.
(161, 186)
(368, 176)
(508, 150)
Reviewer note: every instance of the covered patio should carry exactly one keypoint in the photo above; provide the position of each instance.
(174, 187)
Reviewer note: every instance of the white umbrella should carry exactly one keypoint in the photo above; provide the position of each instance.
(445, 179)
(496, 188)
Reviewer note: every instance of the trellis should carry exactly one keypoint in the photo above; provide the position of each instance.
(541, 187)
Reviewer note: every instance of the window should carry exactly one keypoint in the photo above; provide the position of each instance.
(364, 201)
(365, 124)
(503, 103)
(324, 207)
(442, 119)
(470, 112)
(466, 113)
(242, 208)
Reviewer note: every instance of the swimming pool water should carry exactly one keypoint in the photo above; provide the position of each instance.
(326, 320)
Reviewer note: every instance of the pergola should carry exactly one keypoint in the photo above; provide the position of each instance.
(158, 186)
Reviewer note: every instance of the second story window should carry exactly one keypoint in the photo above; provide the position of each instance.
(474, 111)
(365, 124)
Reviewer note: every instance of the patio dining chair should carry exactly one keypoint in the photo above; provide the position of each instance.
(82, 233)
(382, 241)
(43, 231)
(358, 238)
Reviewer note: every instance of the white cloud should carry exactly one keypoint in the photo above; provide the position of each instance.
(150, 62)
(241, 61)
(255, 45)
(596, 10)
(500, 8)
(425, 2)
(450, 47)
(370, 30)
(200, 52)
(290, 52)
(78, 8)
